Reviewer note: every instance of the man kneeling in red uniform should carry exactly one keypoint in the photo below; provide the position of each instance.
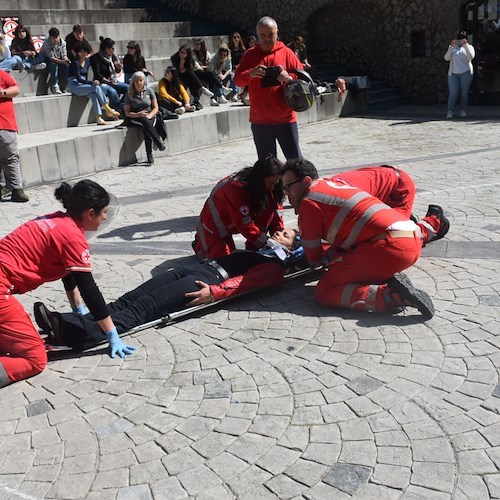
(370, 243)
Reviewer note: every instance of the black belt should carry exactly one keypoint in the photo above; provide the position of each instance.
(219, 269)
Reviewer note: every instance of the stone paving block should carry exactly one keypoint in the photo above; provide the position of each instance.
(295, 438)
(248, 480)
(418, 493)
(358, 452)
(251, 447)
(71, 487)
(111, 479)
(306, 471)
(139, 492)
(475, 462)
(284, 487)
(355, 430)
(198, 479)
(168, 489)
(434, 476)
(364, 384)
(393, 476)
(347, 478)
(493, 483)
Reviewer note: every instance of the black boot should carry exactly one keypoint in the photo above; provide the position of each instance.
(444, 223)
(407, 295)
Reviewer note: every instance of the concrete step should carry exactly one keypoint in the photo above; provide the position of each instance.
(62, 4)
(129, 31)
(56, 17)
(66, 153)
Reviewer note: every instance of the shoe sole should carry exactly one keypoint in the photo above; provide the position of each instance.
(401, 284)
(41, 317)
(444, 225)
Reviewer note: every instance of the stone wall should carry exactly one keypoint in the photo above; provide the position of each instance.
(368, 36)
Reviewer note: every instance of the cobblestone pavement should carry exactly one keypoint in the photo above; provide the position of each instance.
(271, 395)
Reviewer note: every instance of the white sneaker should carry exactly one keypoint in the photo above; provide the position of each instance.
(180, 110)
(213, 102)
(41, 65)
(227, 90)
(55, 89)
(449, 115)
(463, 114)
(234, 98)
(206, 92)
(222, 100)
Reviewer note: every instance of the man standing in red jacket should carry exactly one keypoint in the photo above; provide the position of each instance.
(265, 69)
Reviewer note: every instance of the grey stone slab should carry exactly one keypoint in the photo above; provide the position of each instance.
(117, 427)
(218, 390)
(138, 492)
(347, 478)
(49, 162)
(38, 408)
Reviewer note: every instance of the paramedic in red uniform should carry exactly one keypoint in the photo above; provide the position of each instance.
(396, 188)
(370, 243)
(46, 249)
(271, 118)
(246, 202)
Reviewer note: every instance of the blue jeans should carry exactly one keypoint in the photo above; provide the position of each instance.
(9, 63)
(287, 134)
(31, 61)
(54, 69)
(93, 91)
(459, 84)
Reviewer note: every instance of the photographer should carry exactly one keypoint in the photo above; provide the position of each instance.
(460, 73)
(265, 69)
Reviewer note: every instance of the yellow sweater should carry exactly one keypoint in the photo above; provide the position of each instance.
(163, 94)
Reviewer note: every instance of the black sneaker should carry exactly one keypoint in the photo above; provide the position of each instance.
(18, 195)
(150, 160)
(401, 285)
(444, 225)
(50, 324)
(5, 192)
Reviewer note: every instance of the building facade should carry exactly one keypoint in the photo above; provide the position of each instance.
(400, 41)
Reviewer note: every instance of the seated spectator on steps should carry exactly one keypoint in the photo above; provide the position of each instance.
(299, 47)
(77, 35)
(7, 61)
(23, 46)
(237, 48)
(106, 67)
(184, 63)
(177, 288)
(134, 61)
(80, 85)
(56, 57)
(141, 108)
(171, 93)
(221, 65)
(201, 57)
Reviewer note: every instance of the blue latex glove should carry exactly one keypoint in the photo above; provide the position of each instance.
(117, 346)
(81, 310)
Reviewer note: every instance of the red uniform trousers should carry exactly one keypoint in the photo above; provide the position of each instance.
(355, 279)
(22, 351)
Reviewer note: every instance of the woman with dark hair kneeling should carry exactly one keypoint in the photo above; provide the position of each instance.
(246, 202)
(141, 108)
(46, 249)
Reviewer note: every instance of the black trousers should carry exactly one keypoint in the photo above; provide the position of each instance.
(153, 299)
(287, 134)
(149, 131)
(192, 82)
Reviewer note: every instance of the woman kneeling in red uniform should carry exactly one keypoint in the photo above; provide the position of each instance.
(46, 249)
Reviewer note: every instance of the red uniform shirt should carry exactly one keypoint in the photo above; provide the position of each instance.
(44, 249)
(341, 215)
(7, 113)
(267, 104)
(228, 211)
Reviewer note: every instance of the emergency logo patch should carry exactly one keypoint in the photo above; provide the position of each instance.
(86, 256)
(245, 211)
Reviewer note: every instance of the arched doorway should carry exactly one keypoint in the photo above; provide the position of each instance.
(482, 22)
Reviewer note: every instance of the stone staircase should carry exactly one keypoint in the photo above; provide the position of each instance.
(381, 97)
(58, 136)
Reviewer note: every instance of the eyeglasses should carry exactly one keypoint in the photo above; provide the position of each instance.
(287, 187)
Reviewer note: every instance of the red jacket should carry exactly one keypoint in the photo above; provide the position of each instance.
(341, 215)
(261, 276)
(227, 211)
(389, 184)
(267, 104)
